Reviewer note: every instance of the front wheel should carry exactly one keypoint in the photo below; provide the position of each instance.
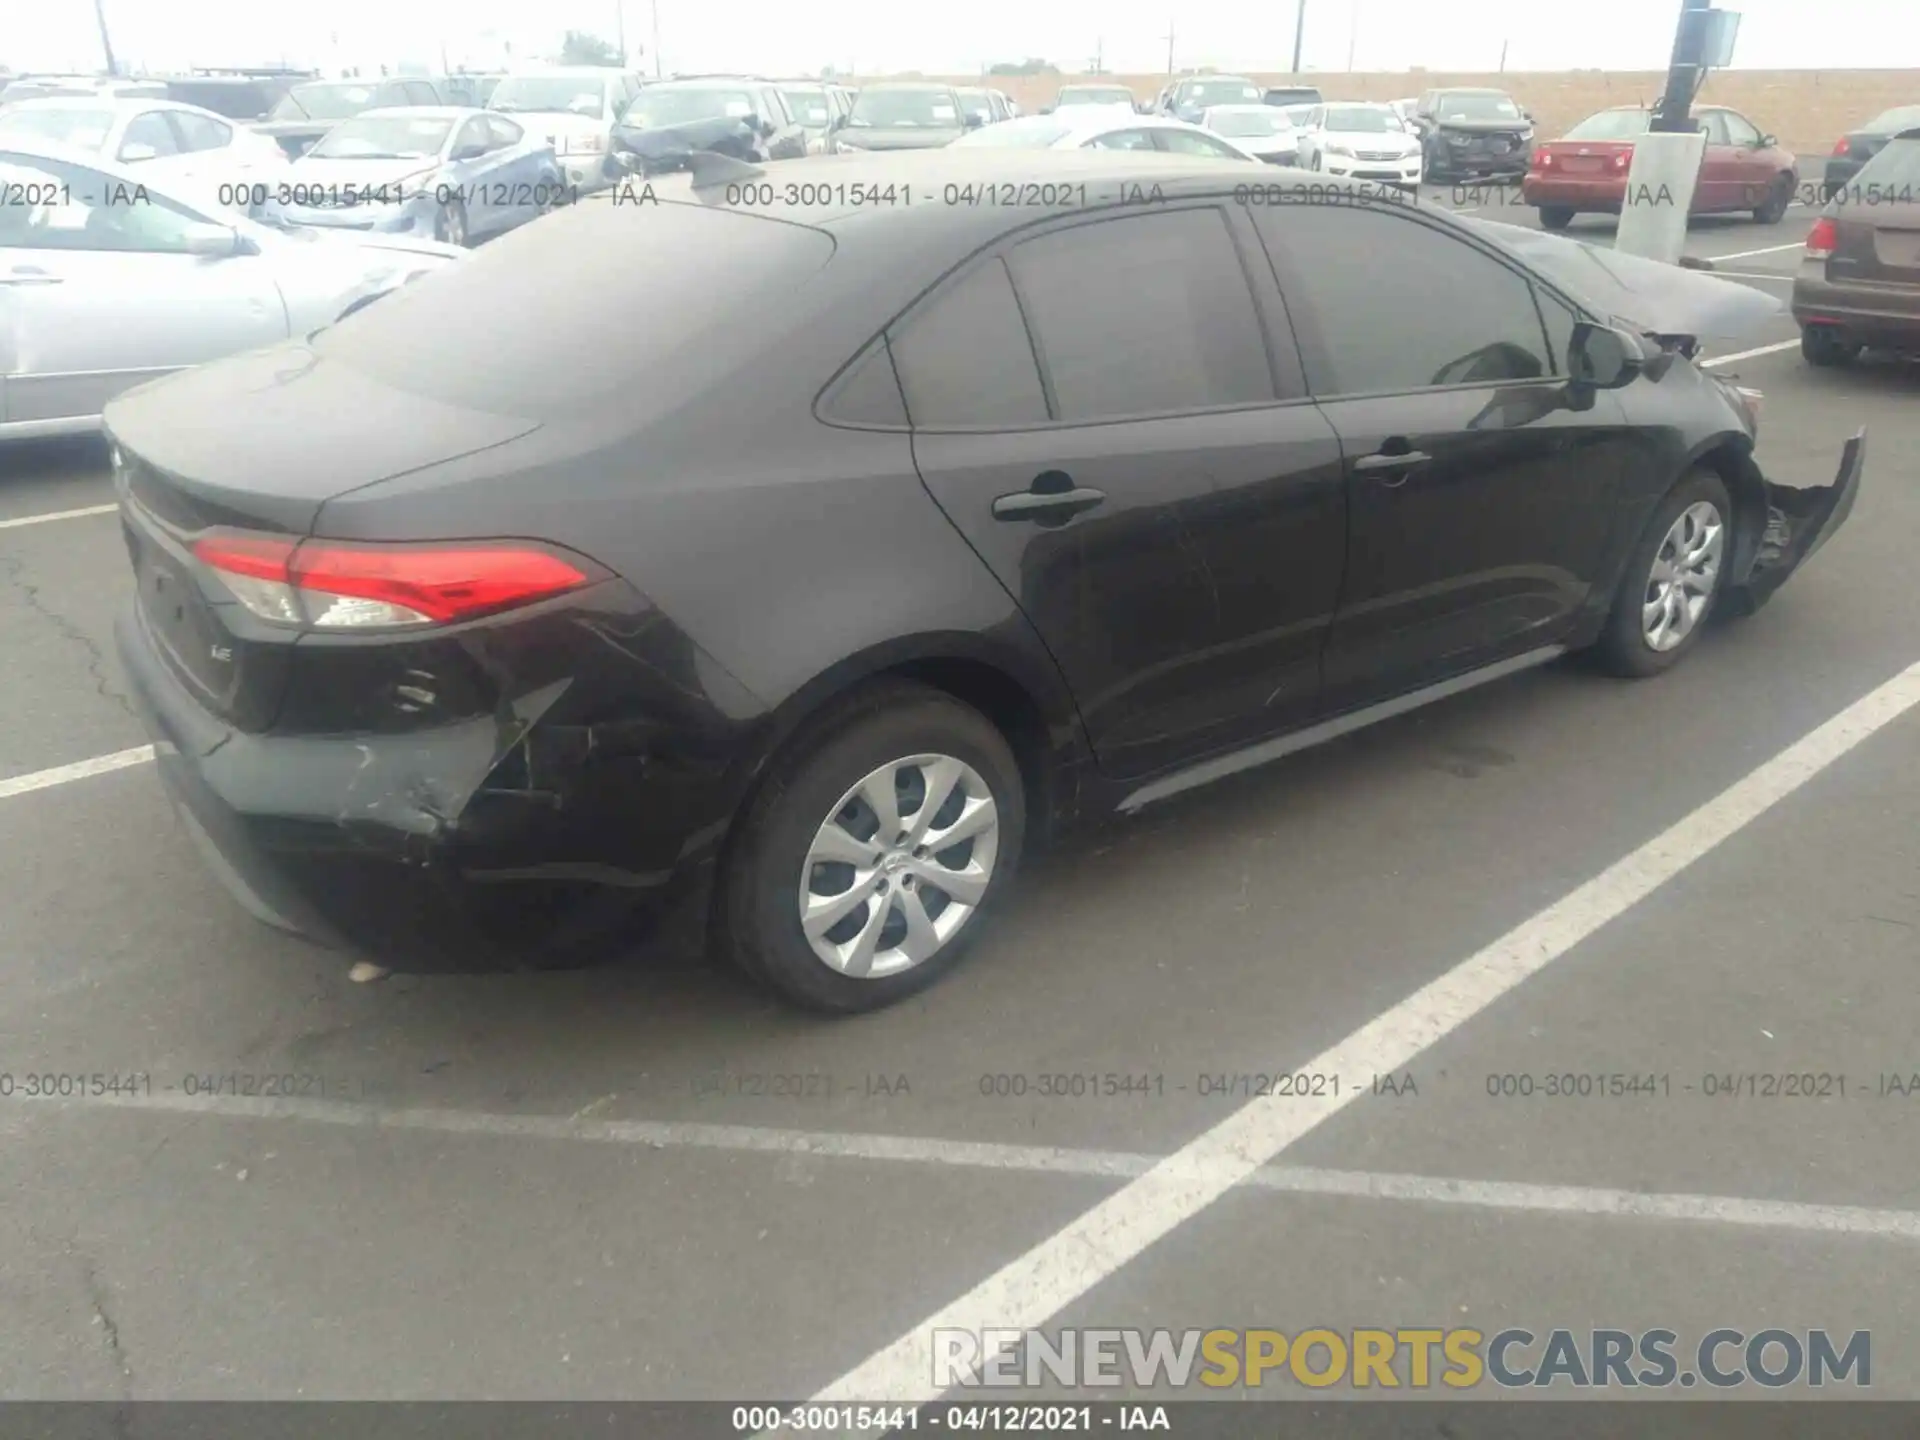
(1779, 196)
(866, 859)
(1672, 580)
(450, 224)
(1555, 217)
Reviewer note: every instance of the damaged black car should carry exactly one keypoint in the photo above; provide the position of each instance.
(796, 569)
(741, 118)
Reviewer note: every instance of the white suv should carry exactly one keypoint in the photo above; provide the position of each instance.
(574, 107)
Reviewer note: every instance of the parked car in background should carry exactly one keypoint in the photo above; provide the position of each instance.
(1297, 115)
(469, 89)
(1013, 105)
(904, 116)
(1406, 110)
(1284, 96)
(818, 108)
(451, 173)
(189, 149)
(1585, 170)
(1854, 149)
(1859, 281)
(737, 116)
(41, 87)
(1472, 133)
(307, 111)
(1078, 97)
(983, 106)
(110, 276)
(246, 97)
(1264, 131)
(1361, 141)
(650, 683)
(1104, 129)
(1186, 99)
(572, 108)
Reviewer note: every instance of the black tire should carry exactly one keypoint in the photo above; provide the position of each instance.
(1779, 197)
(1825, 346)
(1623, 647)
(1555, 217)
(1316, 160)
(757, 915)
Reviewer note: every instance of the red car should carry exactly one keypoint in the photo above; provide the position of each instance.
(1586, 169)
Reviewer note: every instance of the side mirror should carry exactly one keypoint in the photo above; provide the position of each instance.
(974, 121)
(1046, 109)
(137, 151)
(1603, 358)
(1767, 142)
(213, 241)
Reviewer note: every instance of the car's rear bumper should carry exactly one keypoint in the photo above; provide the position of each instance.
(351, 840)
(1872, 314)
(1600, 193)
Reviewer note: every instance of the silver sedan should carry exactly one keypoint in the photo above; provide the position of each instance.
(107, 280)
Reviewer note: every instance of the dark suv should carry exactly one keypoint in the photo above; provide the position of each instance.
(1469, 133)
(739, 116)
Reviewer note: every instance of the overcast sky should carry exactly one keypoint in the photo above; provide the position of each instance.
(890, 35)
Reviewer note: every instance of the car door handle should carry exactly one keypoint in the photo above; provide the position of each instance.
(1055, 505)
(29, 277)
(1405, 460)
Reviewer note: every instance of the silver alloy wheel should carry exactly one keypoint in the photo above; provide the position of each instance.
(453, 222)
(899, 866)
(1686, 571)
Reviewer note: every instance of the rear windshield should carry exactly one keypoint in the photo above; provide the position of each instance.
(1611, 125)
(1897, 165)
(556, 317)
(1221, 92)
(323, 102)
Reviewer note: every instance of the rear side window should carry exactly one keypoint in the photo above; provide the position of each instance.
(868, 395)
(1147, 315)
(596, 299)
(1399, 305)
(1898, 166)
(965, 360)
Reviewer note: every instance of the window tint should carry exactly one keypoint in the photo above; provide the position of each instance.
(1401, 305)
(1143, 316)
(151, 129)
(1188, 142)
(966, 360)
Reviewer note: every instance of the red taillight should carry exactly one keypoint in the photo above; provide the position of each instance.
(1543, 159)
(333, 585)
(1840, 146)
(1822, 239)
(1623, 159)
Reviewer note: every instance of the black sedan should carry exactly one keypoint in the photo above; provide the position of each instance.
(795, 568)
(1854, 149)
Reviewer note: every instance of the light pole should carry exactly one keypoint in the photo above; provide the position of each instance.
(656, 39)
(1353, 36)
(1683, 71)
(620, 27)
(106, 44)
(1299, 31)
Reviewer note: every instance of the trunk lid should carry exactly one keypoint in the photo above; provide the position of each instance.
(1586, 158)
(295, 430)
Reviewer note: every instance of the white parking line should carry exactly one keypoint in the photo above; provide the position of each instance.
(1772, 349)
(1026, 1159)
(1764, 250)
(53, 515)
(1024, 1293)
(79, 770)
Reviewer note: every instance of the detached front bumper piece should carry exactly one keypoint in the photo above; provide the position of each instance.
(1799, 521)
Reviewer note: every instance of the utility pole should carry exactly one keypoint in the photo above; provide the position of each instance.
(1099, 55)
(1169, 47)
(1685, 69)
(620, 27)
(106, 44)
(1353, 36)
(656, 39)
(1299, 31)
(1503, 56)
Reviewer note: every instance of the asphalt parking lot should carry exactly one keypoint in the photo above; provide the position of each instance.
(583, 1185)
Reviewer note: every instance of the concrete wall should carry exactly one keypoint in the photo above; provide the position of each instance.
(1807, 109)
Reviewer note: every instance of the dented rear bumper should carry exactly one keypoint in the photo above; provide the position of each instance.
(1799, 521)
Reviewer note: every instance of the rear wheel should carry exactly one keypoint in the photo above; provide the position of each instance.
(864, 861)
(1555, 217)
(1825, 345)
(1672, 579)
(1779, 197)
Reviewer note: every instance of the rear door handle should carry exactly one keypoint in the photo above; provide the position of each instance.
(1055, 505)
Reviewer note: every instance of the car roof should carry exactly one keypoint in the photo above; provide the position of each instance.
(133, 104)
(133, 176)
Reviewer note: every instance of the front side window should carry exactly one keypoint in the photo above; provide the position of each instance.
(149, 130)
(1400, 305)
(202, 132)
(1739, 132)
(1147, 315)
